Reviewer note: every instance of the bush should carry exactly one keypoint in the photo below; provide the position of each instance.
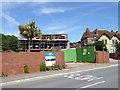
(1, 51)
(100, 46)
(17, 50)
(47, 68)
(53, 68)
(26, 69)
(42, 67)
(50, 50)
(117, 47)
(59, 68)
(56, 67)
(63, 66)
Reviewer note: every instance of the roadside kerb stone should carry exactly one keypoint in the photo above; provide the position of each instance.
(59, 74)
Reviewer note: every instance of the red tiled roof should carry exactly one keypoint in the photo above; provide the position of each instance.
(99, 33)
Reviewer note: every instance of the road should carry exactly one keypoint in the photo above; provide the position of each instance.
(100, 78)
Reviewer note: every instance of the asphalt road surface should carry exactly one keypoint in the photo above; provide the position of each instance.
(100, 78)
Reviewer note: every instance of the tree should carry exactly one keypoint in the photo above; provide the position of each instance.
(117, 47)
(9, 42)
(100, 46)
(29, 31)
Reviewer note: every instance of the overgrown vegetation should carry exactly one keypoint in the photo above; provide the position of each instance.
(56, 67)
(43, 67)
(117, 47)
(9, 43)
(26, 68)
(74, 43)
(99, 46)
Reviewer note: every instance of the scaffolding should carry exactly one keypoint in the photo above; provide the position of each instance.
(47, 42)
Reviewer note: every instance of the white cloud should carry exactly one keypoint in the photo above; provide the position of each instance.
(68, 30)
(10, 19)
(10, 5)
(52, 10)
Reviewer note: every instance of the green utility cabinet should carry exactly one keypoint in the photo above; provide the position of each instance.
(86, 54)
(70, 55)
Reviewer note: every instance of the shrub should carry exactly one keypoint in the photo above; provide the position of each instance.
(42, 67)
(17, 50)
(53, 68)
(100, 46)
(63, 66)
(59, 68)
(26, 68)
(1, 51)
(47, 68)
(50, 50)
(117, 47)
(56, 67)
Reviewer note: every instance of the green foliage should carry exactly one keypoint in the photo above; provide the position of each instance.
(51, 50)
(56, 67)
(72, 43)
(59, 68)
(42, 67)
(9, 43)
(1, 51)
(1, 48)
(29, 31)
(63, 66)
(26, 69)
(53, 68)
(100, 46)
(117, 47)
(47, 68)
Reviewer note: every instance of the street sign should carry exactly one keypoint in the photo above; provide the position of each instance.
(50, 58)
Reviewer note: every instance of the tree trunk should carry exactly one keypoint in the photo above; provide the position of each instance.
(28, 45)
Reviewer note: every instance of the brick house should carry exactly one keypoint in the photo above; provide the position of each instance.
(108, 38)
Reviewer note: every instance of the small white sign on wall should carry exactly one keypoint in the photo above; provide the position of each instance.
(50, 58)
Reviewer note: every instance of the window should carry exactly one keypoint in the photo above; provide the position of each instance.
(88, 42)
(114, 41)
(104, 41)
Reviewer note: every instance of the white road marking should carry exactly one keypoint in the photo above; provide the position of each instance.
(93, 84)
(78, 74)
(87, 78)
(94, 79)
(82, 77)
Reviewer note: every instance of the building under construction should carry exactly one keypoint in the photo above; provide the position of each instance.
(46, 42)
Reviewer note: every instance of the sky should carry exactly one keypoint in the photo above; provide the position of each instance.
(70, 18)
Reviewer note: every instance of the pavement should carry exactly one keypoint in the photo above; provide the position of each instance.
(101, 78)
(71, 68)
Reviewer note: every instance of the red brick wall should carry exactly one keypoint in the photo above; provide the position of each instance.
(102, 57)
(115, 55)
(13, 62)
